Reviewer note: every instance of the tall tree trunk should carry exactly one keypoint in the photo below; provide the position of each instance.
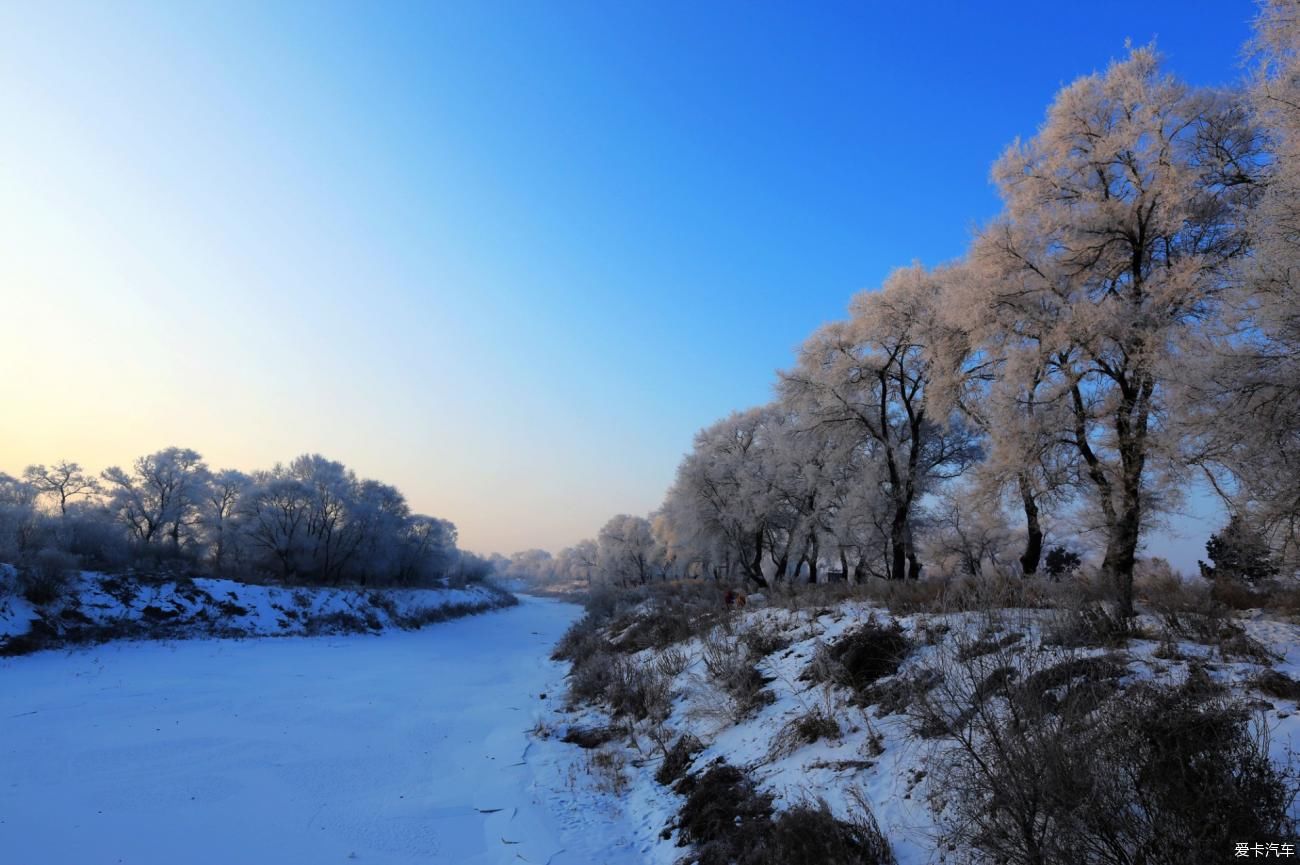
(813, 555)
(913, 563)
(755, 568)
(1131, 421)
(898, 546)
(783, 562)
(1033, 529)
(897, 559)
(218, 552)
(1122, 540)
(1121, 554)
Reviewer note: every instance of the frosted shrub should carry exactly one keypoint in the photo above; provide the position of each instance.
(1048, 758)
(47, 577)
(639, 690)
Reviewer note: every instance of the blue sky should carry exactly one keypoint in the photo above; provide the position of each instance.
(509, 256)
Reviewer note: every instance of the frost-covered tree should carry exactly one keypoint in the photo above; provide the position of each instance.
(330, 539)
(860, 515)
(159, 496)
(533, 566)
(625, 549)
(62, 482)
(219, 517)
(825, 499)
(577, 562)
(726, 507)
(310, 520)
(314, 520)
(670, 552)
(869, 380)
(968, 531)
(1122, 219)
(376, 521)
(1249, 385)
(427, 551)
(583, 558)
(274, 512)
(987, 373)
(17, 517)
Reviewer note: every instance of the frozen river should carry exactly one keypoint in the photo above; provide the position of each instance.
(402, 748)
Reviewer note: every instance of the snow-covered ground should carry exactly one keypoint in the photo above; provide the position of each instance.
(877, 754)
(400, 748)
(100, 607)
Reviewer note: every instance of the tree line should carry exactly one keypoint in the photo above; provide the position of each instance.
(308, 521)
(1129, 322)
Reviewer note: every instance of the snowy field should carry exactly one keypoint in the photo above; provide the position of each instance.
(401, 748)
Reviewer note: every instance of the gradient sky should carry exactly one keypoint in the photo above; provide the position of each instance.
(509, 256)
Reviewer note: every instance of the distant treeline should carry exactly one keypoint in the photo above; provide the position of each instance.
(308, 521)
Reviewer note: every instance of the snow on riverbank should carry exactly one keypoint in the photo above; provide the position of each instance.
(410, 747)
(873, 753)
(100, 607)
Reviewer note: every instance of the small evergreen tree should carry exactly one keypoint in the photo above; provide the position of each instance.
(1061, 562)
(1238, 551)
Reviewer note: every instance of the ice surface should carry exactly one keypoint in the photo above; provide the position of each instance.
(401, 748)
